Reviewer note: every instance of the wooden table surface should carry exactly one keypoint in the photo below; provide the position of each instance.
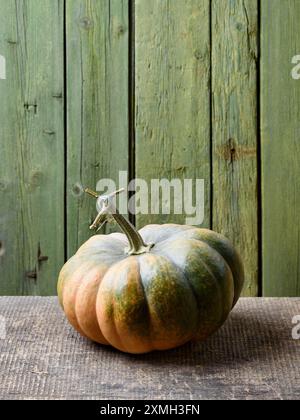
(252, 357)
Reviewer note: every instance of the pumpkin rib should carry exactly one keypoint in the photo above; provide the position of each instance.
(125, 346)
(99, 238)
(149, 344)
(173, 236)
(223, 287)
(69, 305)
(66, 272)
(99, 319)
(133, 258)
(225, 314)
(147, 305)
(150, 232)
(88, 312)
(212, 276)
(223, 295)
(98, 309)
(157, 318)
(180, 269)
(120, 345)
(69, 270)
(106, 249)
(223, 247)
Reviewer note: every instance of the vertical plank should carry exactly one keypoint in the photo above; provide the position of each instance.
(280, 116)
(234, 129)
(97, 96)
(173, 96)
(31, 147)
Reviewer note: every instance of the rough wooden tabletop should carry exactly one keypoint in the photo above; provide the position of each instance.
(252, 357)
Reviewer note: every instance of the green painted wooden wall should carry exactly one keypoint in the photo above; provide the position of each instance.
(280, 147)
(159, 89)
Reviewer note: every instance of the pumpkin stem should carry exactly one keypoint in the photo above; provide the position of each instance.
(137, 244)
(108, 212)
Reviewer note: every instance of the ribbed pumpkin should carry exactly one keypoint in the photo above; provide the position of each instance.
(155, 289)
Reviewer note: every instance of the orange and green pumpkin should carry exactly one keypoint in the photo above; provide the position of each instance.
(155, 289)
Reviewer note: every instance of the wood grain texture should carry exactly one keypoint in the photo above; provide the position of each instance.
(253, 357)
(234, 125)
(185, 53)
(31, 147)
(172, 50)
(97, 97)
(280, 130)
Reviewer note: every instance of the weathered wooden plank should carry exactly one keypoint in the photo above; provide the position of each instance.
(31, 146)
(280, 125)
(238, 362)
(172, 42)
(234, 129)
(97, 73)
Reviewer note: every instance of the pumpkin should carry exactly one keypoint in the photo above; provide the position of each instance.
(155, 289)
